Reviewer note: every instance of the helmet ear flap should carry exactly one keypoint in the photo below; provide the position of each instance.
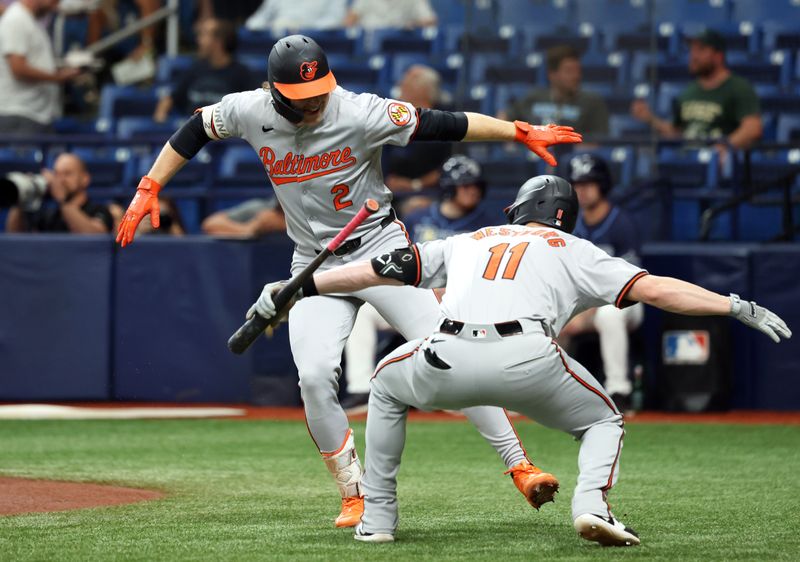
(283, 106)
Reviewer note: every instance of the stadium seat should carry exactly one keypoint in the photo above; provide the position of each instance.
(667, 94)
(759, 11)
(195, 175)
(774, 165)
(688, 168)
(627, 127)
(110, 167)
(448, 11)
(609, 13)
(711, 13)
(386, 41)
(144, 128)
(169, 68)
(450, 70)
(258, 43)
(21, 159)
(555, 12)
(621, 161)
(511, 172)
(506, 94)
(788, 128)
(240, 167)
(125, 101)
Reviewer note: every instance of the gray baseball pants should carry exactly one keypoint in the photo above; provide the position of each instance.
(527, 373)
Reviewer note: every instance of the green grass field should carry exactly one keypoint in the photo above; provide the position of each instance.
(256, 490)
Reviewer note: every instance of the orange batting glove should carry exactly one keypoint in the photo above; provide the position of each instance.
(145, 201)
(537, 138)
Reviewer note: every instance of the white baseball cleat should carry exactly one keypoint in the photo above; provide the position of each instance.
(607, 532)
(372, 537)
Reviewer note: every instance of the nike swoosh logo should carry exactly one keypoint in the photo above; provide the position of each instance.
(266, 129)
(436, 341)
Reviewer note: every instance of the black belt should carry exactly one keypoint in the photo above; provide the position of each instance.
(505, 329)
(355, 243)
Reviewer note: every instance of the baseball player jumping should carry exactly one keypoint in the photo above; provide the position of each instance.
(510, 290)
(321, 148)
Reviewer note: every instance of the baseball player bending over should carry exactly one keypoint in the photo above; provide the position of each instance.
(510, 290)
(321, 147)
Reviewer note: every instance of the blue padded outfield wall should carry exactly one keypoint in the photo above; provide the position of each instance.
(81, 319)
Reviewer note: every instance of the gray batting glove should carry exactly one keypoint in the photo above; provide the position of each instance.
(265, 306)
(759, 318)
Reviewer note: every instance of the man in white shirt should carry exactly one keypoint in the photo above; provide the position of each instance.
(28, 76)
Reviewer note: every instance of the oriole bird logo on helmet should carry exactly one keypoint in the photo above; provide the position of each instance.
(308, 70)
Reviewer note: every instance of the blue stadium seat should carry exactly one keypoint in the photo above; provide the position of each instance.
(788, 129)
(110, 167)
(626, 127)
(759, 223)
(193, 179)
(257, 43)
(688, 168)
(144, 128)
(479, 64)
(448, 11)
(240, 167)
(507, 94)
(759, 11)
(335, 41)
(609, 13)
(763, 73)
(169, 68)
(711, 13)
(125, 101)
(21, 159)
(605, 68)
(385, 41)
(511, 172)
(667, 93)
(773, 165)
(513, 12)
(356, 76)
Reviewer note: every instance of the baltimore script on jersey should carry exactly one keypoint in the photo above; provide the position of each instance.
(297, 167)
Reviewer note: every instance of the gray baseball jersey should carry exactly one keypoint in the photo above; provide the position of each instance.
(508, 272)
(539, 277)
(321, 174)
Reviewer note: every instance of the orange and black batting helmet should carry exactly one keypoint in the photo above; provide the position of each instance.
(298, 69)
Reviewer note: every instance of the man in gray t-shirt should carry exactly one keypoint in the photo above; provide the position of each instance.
(248, 219)
(564, 101)
(28, 76)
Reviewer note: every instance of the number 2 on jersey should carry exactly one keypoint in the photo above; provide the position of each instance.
(339, 192)
(498, 252)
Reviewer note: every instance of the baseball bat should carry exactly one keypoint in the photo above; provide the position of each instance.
(255, 326)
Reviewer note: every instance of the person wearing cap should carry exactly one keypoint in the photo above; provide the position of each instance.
(610, 228)
(321, 145)
(717, 106)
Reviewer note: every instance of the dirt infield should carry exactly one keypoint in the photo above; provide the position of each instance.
(22, 495)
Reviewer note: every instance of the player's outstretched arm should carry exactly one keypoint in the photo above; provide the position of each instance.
(181, 147)
(682, 297)
(484, 128)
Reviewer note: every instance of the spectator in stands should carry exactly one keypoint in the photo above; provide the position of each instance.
(251, 219)
(29, 79)
(564, 101)
(462, 188)
(67, 184)
(413, 168)
(215, 73)
(717, 105)
(613, 230)
(282, 15)
(374, 14)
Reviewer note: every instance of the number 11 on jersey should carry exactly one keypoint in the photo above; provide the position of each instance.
(498, 252)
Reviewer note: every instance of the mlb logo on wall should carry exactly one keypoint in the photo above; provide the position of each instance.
(686, 347)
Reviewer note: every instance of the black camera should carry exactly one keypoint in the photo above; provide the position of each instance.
(26, 190)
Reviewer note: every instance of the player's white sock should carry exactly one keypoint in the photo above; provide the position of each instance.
(345, 467)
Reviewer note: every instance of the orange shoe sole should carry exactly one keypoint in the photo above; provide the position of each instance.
(541, 490)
